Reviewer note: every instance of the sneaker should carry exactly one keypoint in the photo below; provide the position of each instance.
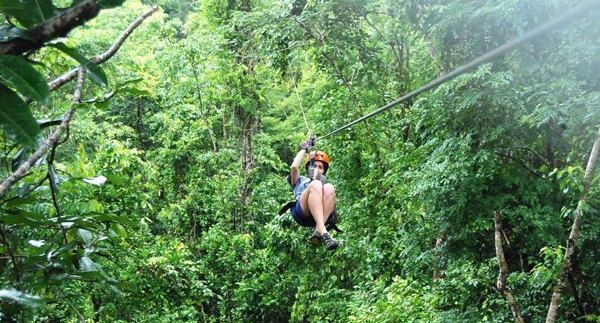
(330, 243)
(315, 239)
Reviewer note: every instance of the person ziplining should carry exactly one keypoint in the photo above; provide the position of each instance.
(314, 198)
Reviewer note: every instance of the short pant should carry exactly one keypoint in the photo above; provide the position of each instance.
(307, 220)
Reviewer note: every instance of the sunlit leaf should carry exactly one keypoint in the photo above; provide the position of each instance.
(85, 235)
(98, 180)
(86, 264)
(37, 243)
(119, 229)
(115, 179)
(21, 298)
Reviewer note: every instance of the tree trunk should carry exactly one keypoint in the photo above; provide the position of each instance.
(501, 282)
(570, 252)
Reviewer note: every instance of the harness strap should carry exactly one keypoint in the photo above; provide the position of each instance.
(334, 227)
(286, 207)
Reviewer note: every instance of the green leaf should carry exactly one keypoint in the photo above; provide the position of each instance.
(119, 229)
(98, 180)
(115, 179)
(19, 157)
(86, 264)
(95, 73)
(41, 10)
(49, 123)
(20, 75)
(86, 236)
(54, 177)
(135, 91)
(107, 4)
(21, 298)
(29, 12)
(21, 217)
(21, 201)
(16, 119)
(23, 189)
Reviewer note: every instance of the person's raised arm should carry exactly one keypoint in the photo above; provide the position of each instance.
(295, 168)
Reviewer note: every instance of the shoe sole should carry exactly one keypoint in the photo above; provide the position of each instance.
(333, 246)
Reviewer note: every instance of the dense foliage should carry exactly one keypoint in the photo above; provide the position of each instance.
(159, 203)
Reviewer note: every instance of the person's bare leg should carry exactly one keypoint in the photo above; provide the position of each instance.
(328, 201)
(311, 202)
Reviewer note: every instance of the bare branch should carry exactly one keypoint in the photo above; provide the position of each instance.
(570, 252)
(501, 282)
(49, 143)
(58, 26)
(68, 76)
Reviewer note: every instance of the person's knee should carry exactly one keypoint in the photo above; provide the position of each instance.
(315, 187)
(329, 190)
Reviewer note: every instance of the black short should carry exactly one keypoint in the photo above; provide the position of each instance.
(306, 220)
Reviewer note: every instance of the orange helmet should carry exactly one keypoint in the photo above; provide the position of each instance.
(319, 156)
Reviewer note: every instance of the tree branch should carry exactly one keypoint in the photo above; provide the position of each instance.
(58, 26)
(26, 166)
(68, 76)
(570, 252)
(49, 143)
(501, 282)
(520, 162)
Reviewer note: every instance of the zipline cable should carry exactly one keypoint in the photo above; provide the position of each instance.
(301, 108)
(565, 18)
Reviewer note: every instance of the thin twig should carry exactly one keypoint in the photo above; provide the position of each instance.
(68, 76)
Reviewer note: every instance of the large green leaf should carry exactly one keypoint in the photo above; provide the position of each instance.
(21, 298)
(20, 156)
(95, 73)
(28, 12)
(21, 217)
(54, 178)
(20, 75)
(16, 119)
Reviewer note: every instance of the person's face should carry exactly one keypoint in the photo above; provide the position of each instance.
(320, 166)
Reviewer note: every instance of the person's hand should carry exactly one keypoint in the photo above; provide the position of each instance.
(307, 143)
(320, 177)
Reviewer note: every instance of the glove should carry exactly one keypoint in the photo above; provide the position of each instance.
(320, 177)
(307, 143)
